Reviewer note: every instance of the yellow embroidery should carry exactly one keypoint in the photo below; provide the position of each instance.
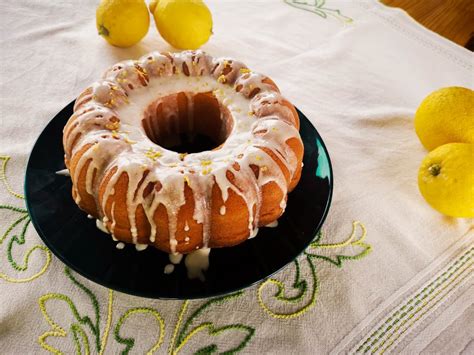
(422, 307)
(108, 323)
(58, 331)
(190, 335)
(348, 241)
(280, 292)
(183, 336)
(38, 274)
(426, 310)
(184, 306)
(129, 342)
(3, 177)
(19, 239)
(302, 284)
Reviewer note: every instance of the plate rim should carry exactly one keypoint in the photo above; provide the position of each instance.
(98, 281)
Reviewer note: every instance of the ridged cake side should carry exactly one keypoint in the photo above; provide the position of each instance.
(176, 202)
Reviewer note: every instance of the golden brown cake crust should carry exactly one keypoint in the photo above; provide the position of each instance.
(123, 175)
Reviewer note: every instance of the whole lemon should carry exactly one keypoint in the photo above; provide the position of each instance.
(122, 22)
(446, 179)
(185, 24)
(446, 116)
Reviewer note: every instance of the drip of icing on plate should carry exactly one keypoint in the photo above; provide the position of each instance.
(141, 247)
(175, 259)
(197, 262)
(274, 224)
(254, 233)
(101, 226)
(63, 172)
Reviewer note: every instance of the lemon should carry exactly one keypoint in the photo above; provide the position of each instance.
(122, 22)
(446, 179)
(446, 116)
(185, 24)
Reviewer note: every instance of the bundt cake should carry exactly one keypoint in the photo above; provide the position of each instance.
(124, 151)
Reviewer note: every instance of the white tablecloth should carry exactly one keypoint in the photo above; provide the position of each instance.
(358, 70)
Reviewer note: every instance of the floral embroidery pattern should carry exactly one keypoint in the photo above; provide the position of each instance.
(3, 177)
(86, 333)
(77, 329)
(184, 335)
(318, 7)
(130, 342)
(352, 248)
(85, 325)
(15, 233)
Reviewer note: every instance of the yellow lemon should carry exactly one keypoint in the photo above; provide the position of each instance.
(446, 116)
(446, 179)
(122, 22)
(185, 24)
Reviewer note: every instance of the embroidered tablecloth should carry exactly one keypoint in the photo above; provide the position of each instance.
(386, 273)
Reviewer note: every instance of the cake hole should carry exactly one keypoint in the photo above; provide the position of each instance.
(187, 122)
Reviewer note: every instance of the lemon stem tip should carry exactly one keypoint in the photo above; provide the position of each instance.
(103, 31)
(434, 169)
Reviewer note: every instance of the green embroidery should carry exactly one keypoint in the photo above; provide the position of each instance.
(396, 332)
(130, 342)
(84, 325)
(358, 249)
(301, 285)
(303, 297)
(22, 218)
(57, 330)
(20, 239)
(318, 7)
(94, 327)
(181, 313)
(185, 334)
(83, 321)
(419, 300)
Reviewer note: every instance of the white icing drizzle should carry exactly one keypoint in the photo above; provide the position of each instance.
(105, 138)
(141, 247)
(274, 224)
(101, 226)
(63, 172)
(90, 216)
(254, 233)
(196, 263)
(175, 258)
(120, 245)
(169, 268)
